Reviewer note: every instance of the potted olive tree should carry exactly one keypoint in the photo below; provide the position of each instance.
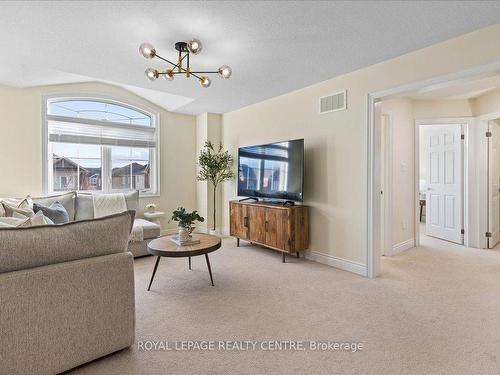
(186, 221)
(215, 167)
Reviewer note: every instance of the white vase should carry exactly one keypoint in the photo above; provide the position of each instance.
(183, 234)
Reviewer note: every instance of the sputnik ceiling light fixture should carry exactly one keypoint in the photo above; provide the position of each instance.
(194, 47)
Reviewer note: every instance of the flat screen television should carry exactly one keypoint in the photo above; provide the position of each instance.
(273, 171)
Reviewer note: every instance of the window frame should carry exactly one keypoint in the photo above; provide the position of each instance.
(106, 167)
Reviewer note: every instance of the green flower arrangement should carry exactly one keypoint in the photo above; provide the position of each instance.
(186, 219)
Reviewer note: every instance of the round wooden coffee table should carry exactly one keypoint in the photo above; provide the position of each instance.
(165, 247)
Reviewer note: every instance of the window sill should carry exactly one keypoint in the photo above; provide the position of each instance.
(141, 195)
(149, 195)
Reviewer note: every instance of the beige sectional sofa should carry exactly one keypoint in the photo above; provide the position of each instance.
(80, 207)
(66, 294)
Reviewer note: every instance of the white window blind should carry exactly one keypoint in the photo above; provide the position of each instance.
(87, 131)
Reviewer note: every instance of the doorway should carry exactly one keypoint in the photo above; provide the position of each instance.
(440, 175)
(462, 85)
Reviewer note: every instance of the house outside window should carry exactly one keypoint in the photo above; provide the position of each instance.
(97, 144)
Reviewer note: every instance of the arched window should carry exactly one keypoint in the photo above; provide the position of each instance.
(96, 144)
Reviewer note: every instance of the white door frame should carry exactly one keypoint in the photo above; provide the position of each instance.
(482, 124)
(373, 149)
(465, 123)
(387, 191)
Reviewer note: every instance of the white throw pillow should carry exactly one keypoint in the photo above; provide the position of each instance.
(12, 201)
(16, 222)
(17, 215)
(22, 209)
(40, 219)
(25, 204)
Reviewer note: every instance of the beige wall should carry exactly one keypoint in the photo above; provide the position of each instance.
(400, 112)
(208, 128)
(487, 103)
(21, 144)
(336, 143)
(201, 186)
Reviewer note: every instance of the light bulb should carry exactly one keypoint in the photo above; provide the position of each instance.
(205, 81)
(152, 74)
(147, 50)
(225, 71)
(194, 46)
(168, 75)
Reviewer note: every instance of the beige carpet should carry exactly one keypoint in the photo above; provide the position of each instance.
(434, 311)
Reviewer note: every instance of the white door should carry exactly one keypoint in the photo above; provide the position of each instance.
(443, 147)
(494, 184)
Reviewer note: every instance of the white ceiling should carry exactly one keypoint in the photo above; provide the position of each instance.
(273, 47)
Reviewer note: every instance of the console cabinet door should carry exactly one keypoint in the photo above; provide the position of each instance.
(239, 220)
(277, 227)
(256, 223)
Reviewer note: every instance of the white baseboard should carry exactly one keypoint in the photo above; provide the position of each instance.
(402, 246)
(343, 264)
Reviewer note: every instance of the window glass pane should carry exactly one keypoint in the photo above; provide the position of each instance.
(121, 175)
(97, 110)
(76, 167)
(90, 174)
(130, 168)
(140, 175)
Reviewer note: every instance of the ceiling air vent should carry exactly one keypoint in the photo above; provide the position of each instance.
(333, 102)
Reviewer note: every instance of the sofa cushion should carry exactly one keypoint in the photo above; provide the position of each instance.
(67, 200)
(85, 204)
(22, 248)
(84, 207)
(150, 230)
(132, 199)
(56, 212)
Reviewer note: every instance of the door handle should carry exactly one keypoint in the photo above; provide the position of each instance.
(245, 221)
(266, 226)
